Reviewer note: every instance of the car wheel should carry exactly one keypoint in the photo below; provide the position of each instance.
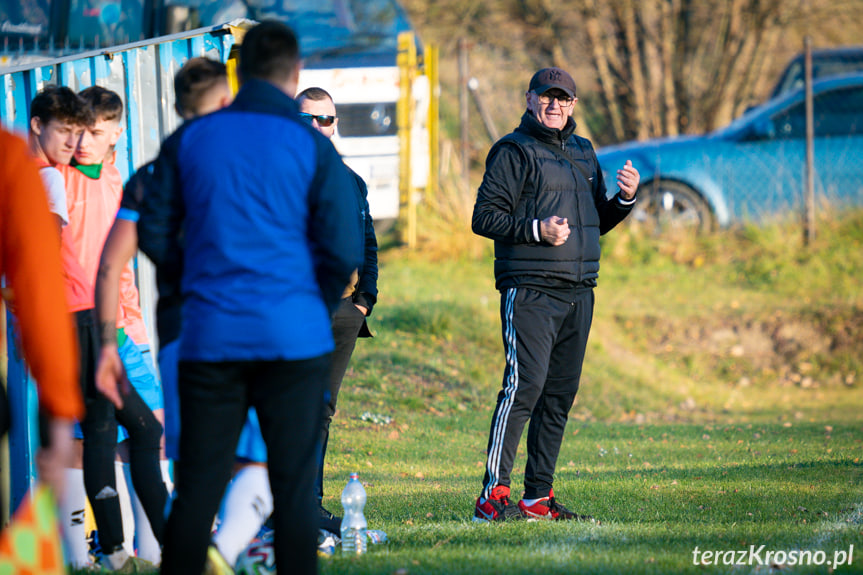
(666, 205)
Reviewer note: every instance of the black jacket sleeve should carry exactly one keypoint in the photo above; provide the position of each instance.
(162, 212)
(334, 229)
(367, 288)
(506, 172)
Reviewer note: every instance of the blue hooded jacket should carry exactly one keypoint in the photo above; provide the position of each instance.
(250, 213)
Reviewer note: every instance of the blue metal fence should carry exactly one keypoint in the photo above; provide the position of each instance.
(142, 74)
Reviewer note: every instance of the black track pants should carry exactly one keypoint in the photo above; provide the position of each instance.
(214, 401)
(99, 428)
(544, 340)
(347, 322)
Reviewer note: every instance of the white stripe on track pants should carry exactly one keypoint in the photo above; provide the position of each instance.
(544, 341)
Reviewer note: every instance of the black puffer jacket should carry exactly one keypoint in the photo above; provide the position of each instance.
(524, 181)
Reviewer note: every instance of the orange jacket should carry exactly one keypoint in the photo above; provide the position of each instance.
(30, 259)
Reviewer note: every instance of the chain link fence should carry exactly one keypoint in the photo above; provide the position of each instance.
(753, 170)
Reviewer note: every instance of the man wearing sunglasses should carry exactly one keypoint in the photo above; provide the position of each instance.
(543, 202)
(349, 321)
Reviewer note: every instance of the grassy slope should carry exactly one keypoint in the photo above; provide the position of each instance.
(675, 441)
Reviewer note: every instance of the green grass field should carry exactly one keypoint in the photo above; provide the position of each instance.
(720, 409)
(659, 491)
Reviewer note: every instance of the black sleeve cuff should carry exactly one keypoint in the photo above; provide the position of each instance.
(366, 300)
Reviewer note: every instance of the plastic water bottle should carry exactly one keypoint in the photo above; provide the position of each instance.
(354, 522)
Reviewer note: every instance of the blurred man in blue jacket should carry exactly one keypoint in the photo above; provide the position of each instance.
(249, 210)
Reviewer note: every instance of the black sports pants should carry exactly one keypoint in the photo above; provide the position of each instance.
(214, 400)
(347, 322)
(544, 340)
(99, 427)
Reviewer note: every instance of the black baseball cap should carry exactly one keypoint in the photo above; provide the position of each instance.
(549, 78)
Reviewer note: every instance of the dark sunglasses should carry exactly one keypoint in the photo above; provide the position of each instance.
(323, 120)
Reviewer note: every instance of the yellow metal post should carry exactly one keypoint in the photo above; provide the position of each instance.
(407, 62)
(239, 32)
(233, 79)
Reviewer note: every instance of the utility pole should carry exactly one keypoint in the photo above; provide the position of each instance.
(463, 112)
(491, 130)
(809, 191)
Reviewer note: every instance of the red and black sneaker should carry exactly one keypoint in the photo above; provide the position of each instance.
(498, 507)
(548, 508)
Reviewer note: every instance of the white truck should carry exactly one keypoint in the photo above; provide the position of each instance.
(349, 48)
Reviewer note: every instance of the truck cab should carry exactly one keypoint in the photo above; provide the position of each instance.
(349, 48)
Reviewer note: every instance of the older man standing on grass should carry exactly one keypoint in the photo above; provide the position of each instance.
(543, 202)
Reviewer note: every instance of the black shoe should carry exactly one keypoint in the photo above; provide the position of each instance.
(497, 508)
(329, 522)
(549, 508)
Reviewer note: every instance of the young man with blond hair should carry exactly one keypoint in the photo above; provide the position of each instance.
(93, 189)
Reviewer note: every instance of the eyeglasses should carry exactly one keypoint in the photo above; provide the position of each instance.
(323, 120)
(564, 101)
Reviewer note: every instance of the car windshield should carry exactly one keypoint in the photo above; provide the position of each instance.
(321, 25)
(765, 110)
(828, 63)
(837, 104)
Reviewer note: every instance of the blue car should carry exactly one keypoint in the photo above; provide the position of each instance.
(754, 168)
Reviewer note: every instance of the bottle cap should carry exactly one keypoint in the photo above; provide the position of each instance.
(355, 475)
